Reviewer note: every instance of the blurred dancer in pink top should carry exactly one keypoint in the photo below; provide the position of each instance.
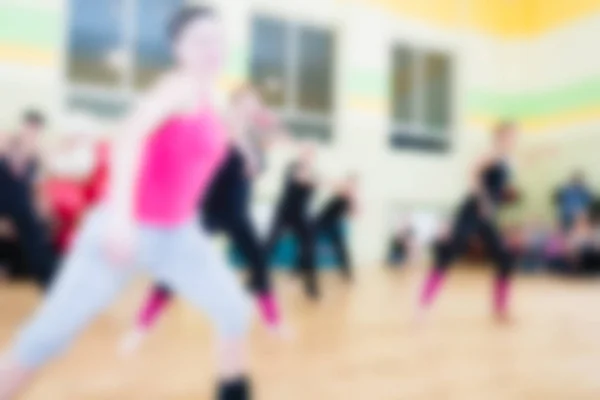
(164, 158)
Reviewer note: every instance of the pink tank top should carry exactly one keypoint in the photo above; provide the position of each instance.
(178, 163)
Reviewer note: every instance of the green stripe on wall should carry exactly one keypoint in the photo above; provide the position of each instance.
(29, 26)
(580, 95)
(367, 83)
(237, 63)
(371, 84)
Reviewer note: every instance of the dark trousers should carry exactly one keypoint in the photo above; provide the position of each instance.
(241, 232)
(333, 232)
(13, 259)
(300, 226)
(34, 240)
(469, 222)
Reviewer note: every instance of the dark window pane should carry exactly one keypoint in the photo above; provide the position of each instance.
(95, 31)
(268, 61)
(437, 96)
(402, 85)
(315, 69)
(152, 52)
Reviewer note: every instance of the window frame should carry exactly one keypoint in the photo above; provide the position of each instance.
(125, 91)
(290, 110)
(415, 134)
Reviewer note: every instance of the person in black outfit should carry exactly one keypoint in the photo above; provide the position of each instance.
(477, 215)
(400, 248)
(12, 260)
(292, 214)
(330, 222)
(18, 171)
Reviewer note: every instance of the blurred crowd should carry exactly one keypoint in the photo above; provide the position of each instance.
(48, 183)
(567, 245)
(571, 243)
(45, 187)
(45, 190)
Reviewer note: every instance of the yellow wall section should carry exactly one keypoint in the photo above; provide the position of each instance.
(504, 18)
(550, 14)
(446, 13)
(27, 55)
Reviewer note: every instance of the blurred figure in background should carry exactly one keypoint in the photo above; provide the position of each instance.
(533, 239)
(68, 172)
(20, 165)
(292, 214)
(573, 199)
(227, 208)
(478, 215)
(164, 157)
(440, 246)
(401, 245)
(576, 252)
(330, 221)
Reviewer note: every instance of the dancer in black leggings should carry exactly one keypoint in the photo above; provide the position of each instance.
(330, 222)
(227, 210)
(18, 172)
(292, 214)
(478, 215)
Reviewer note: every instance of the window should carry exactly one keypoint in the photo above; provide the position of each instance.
(115, 48)
(96, 30)
(152, 52)
(293, 65)
(421, 98)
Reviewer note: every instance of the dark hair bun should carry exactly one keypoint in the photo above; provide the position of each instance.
(186, 16)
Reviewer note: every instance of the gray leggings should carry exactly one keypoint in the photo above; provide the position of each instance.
(183, 257)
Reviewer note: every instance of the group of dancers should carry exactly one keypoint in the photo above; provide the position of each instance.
(177, 150)
(226, 209)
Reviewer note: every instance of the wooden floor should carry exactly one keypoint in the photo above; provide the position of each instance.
(359, 343)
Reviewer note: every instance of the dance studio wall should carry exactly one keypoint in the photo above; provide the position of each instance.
(490, 39)
(560, 108)
(552, 88)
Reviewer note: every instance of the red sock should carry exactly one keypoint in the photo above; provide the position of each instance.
(153, 308)
(501, 295)
(433, 283)
(269, 309)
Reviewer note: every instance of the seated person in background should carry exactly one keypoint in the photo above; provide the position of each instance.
(582, 244)
(577, 248)
(20, 160)
(70, 170)
(95, 185)
(534, 239)
(401, 246)
(573, 199)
